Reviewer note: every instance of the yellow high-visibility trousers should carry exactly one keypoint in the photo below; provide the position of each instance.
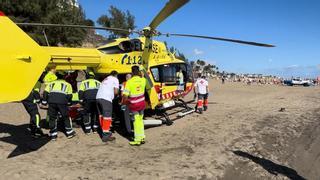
(138, 127)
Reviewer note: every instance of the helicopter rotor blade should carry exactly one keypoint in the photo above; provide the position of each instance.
(78, 26)
(169, 8)
(221, 39)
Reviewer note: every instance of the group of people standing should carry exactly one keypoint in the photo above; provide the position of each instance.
(96, 99)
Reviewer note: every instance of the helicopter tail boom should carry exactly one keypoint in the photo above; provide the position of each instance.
(73, 58)
(22, 61)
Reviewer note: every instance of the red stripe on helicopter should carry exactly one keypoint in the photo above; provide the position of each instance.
(174, 93)
(189, 88)
(2, 13)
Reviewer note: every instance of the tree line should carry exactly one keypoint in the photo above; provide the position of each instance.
(62, 12)
(69, 12)
(202, 66)
(48, 11)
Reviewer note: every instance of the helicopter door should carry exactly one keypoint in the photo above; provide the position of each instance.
(22, 61)
(151, 91)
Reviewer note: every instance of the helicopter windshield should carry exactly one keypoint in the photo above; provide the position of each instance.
(168, 73)
(123, 47)
(111, 50)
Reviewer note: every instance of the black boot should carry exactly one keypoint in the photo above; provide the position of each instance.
(71, 135)
(38, 132)
(107, 137)
(87, 130)
(32, 130)
(53, 137)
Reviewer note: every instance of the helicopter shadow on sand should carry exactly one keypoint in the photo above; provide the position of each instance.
(18, 135)
(271, 167)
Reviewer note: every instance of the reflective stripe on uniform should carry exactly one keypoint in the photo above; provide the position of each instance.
(59, 86)
(136, 95)
(63, 87)
(69, 132)
(37, 120)
(51, 86)
(53, 134)
(89, 84)
(91, 88)
(137, 100)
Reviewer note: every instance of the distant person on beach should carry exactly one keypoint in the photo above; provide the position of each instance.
(222, 80)
(202, 91)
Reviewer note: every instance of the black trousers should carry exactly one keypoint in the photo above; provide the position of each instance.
(127, 119)
(90, 114)
(32, 110)
(53, 111)
(202, 97)
(104, 108)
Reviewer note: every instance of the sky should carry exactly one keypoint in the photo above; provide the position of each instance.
(293, 26)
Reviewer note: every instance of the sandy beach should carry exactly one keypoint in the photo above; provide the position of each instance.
(243, 135)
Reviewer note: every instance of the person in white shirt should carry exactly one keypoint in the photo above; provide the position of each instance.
(108, 89)
(202, 91)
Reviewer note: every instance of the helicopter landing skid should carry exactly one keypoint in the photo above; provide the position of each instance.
(187, 110)
(163, 112)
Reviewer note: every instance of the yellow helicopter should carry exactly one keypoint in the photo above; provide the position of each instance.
(22, 60)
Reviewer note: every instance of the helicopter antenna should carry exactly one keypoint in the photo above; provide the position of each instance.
(45, 37)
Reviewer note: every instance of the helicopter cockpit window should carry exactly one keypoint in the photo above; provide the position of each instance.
(168, 73)
(136, 45)
(125, 46)
(189, 77)
(111, 50)
(155, 74)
